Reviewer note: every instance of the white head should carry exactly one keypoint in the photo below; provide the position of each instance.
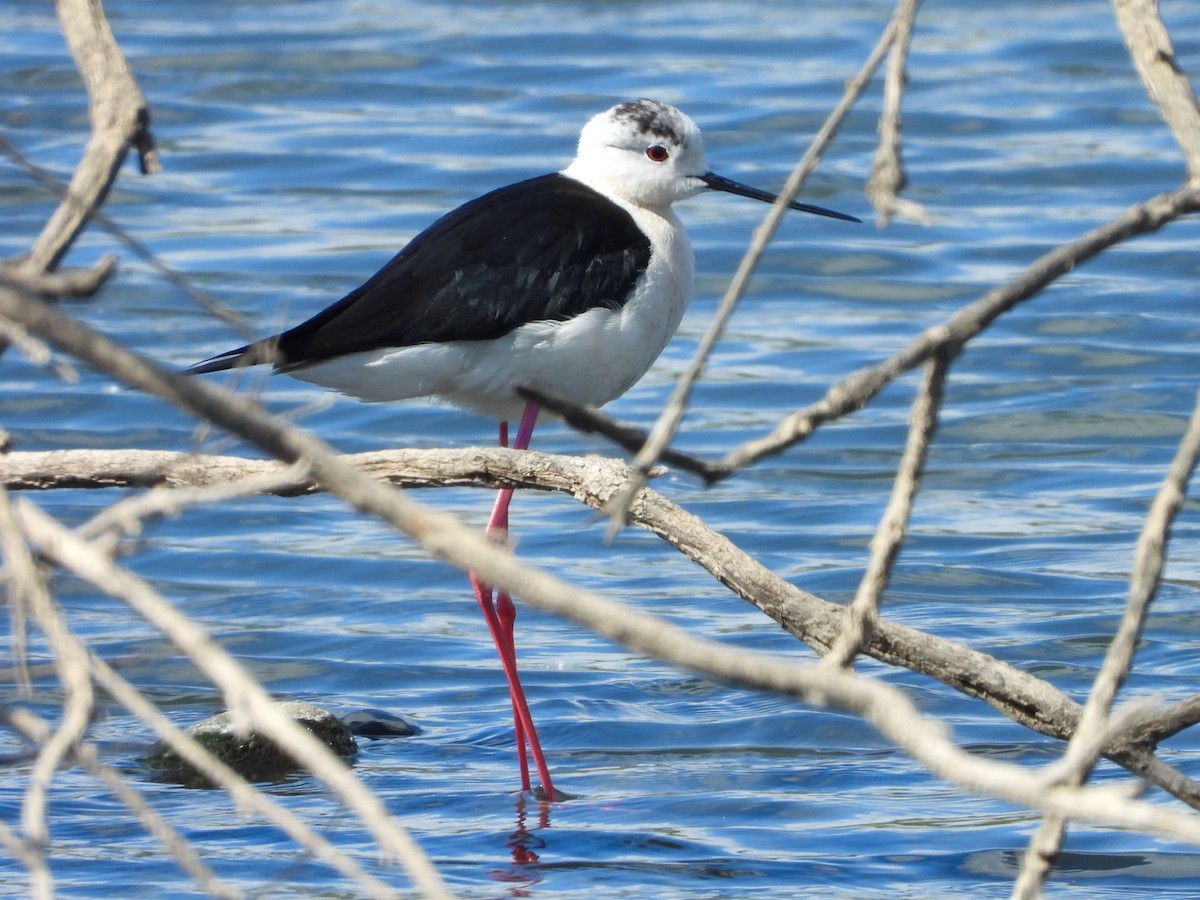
(649, 154)
(645, 152)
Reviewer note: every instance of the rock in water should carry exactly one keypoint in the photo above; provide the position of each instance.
(250, 754)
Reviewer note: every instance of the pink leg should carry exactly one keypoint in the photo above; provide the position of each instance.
(501, 617)
(499, 525)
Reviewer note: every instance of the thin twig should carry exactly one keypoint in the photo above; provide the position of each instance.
(22, 580)
(856, 390)
(34, 861)
(36, 729)
(25, 588)
(668, 422)
(243, 695)
(863, 611)
(887, 170)
(63, 283)
(138, 248)
(78, 698)
(120, 119)
(1084, 747)
(127, 516)
(12, 334)
(243, 794)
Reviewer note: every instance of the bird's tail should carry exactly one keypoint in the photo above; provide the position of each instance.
(250, 355)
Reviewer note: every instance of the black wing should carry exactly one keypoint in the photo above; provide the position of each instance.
(545, 249)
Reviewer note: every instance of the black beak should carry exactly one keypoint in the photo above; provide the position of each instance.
(719, 183)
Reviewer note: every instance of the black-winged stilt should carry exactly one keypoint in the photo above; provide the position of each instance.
(571, 283)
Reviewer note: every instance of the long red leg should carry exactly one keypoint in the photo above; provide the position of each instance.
(499, 525)
(501, 616)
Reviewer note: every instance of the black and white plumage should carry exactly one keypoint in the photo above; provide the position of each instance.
(571, 283)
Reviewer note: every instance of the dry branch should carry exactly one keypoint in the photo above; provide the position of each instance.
(886, 708)
(243, 695)
(887, 170)
(245, 795)
(1167, 84)
(63, 283)
(1150, 48)
(120, 119)
(1086, 744)
(1018, 695)
(863, 611)
(473, 466)
(858, 388)
(650, 450)
(36, 730)
(78, 698)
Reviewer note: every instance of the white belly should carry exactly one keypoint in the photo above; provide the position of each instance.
(592, 358)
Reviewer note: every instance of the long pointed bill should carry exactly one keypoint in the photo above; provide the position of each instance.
(720, 183)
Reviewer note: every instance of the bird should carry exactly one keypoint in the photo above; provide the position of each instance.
(570, 283)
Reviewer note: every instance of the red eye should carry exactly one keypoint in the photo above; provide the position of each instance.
(657, 153)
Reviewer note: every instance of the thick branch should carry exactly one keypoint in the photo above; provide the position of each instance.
(1018, 695)
(482, 467)
(885, 707)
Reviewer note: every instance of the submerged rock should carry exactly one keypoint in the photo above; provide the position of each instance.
(250, 754)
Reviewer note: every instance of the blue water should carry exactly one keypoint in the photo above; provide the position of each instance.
(304, 142)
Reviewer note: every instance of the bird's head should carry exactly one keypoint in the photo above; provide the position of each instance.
(644, 152)
(649, 154)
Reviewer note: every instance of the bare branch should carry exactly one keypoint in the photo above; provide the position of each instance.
(862, 612)
(78, 699)
(859, 388)
(36, 729)
(1149, 560)
(1151, 728)
(240, 791)
(668, 422)
(1085, 745)
(243, 695)
(1168, 85)
(25, 589)
(68, 283)
(591, 480)
(120, 119)
(12, 334)
(201, 298)
(887, 171)
(490, 467)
